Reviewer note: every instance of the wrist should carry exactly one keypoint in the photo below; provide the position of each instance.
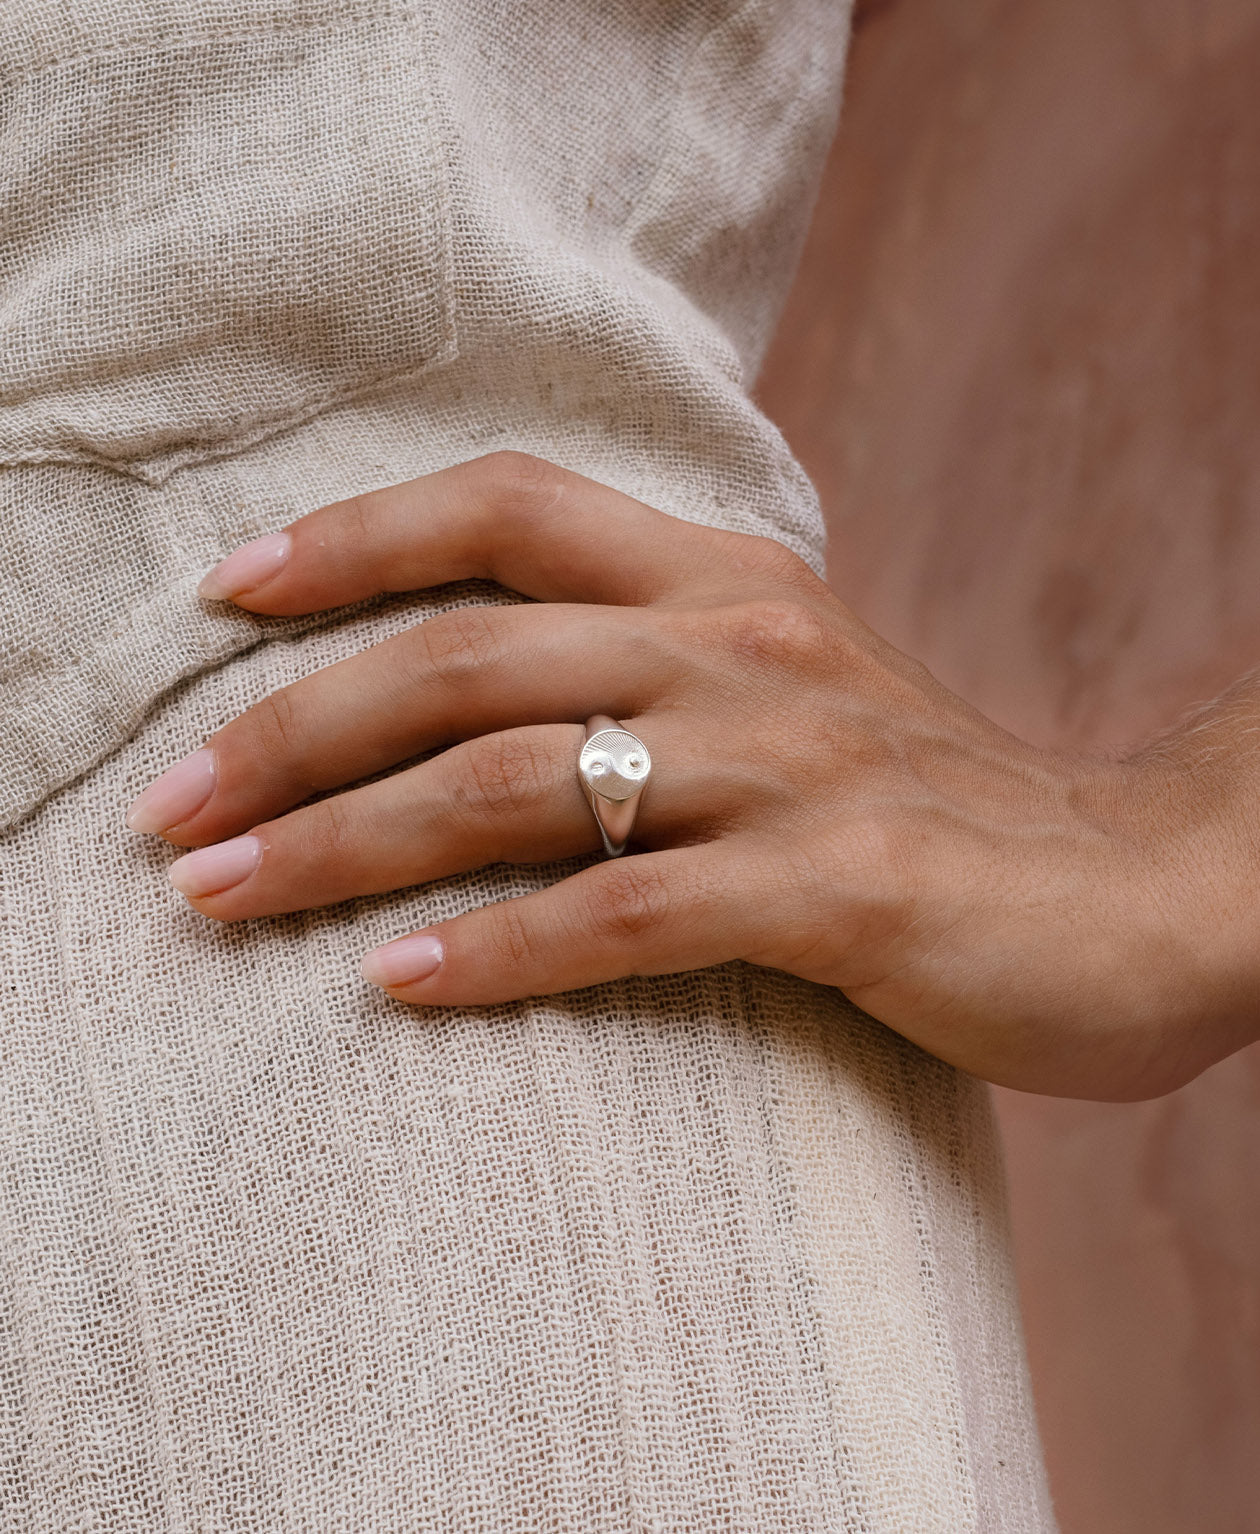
(1194, 811)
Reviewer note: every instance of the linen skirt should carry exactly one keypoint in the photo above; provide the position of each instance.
(703, 1252)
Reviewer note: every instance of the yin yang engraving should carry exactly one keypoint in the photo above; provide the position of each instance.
(614, 764)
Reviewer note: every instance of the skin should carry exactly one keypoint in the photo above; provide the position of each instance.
(819, 803)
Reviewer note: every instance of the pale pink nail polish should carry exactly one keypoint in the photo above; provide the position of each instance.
(176, 796)
(404, 961)
(249, 566)
(211, 870)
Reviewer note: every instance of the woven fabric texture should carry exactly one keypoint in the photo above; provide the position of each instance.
(711, 1252)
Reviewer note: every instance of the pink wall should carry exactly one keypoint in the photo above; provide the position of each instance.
(1022, 362)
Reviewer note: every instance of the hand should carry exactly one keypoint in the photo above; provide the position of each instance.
(818, 803)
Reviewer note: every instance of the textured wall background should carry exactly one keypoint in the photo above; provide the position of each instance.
(1022, 362)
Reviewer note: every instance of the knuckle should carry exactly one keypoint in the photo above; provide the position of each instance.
(629, 900)
(775, 631)
(873, 863)
(873, 849)
(508, 939)
(765, 557)
(359, 519)
(457, 644)
(276, 728)
(501, 775)
(327, 831)
(520, 483)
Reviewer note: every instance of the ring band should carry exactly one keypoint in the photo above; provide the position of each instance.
(613, 767)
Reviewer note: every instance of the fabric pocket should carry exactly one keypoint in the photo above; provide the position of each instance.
(215, 222)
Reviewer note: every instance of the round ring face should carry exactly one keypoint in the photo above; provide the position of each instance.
(614, 764)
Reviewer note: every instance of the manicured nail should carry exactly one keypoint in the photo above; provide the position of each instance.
(249, 566)
(176, 796)
(402, 962)
(211, 870)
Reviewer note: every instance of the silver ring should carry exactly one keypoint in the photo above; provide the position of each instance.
(613, 767)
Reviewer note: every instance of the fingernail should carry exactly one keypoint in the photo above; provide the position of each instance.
(176, 796)
(211, 870)
(247, 567)
(399, 963)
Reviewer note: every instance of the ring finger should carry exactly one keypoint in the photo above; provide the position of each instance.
(508, 797)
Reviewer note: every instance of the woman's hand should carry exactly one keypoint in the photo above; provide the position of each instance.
(818, 802)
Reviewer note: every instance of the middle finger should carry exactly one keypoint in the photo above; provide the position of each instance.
(458, 675)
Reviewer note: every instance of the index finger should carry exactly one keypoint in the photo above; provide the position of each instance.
(533, 527)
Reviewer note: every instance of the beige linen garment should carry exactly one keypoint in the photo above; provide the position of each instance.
(707, 1252)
